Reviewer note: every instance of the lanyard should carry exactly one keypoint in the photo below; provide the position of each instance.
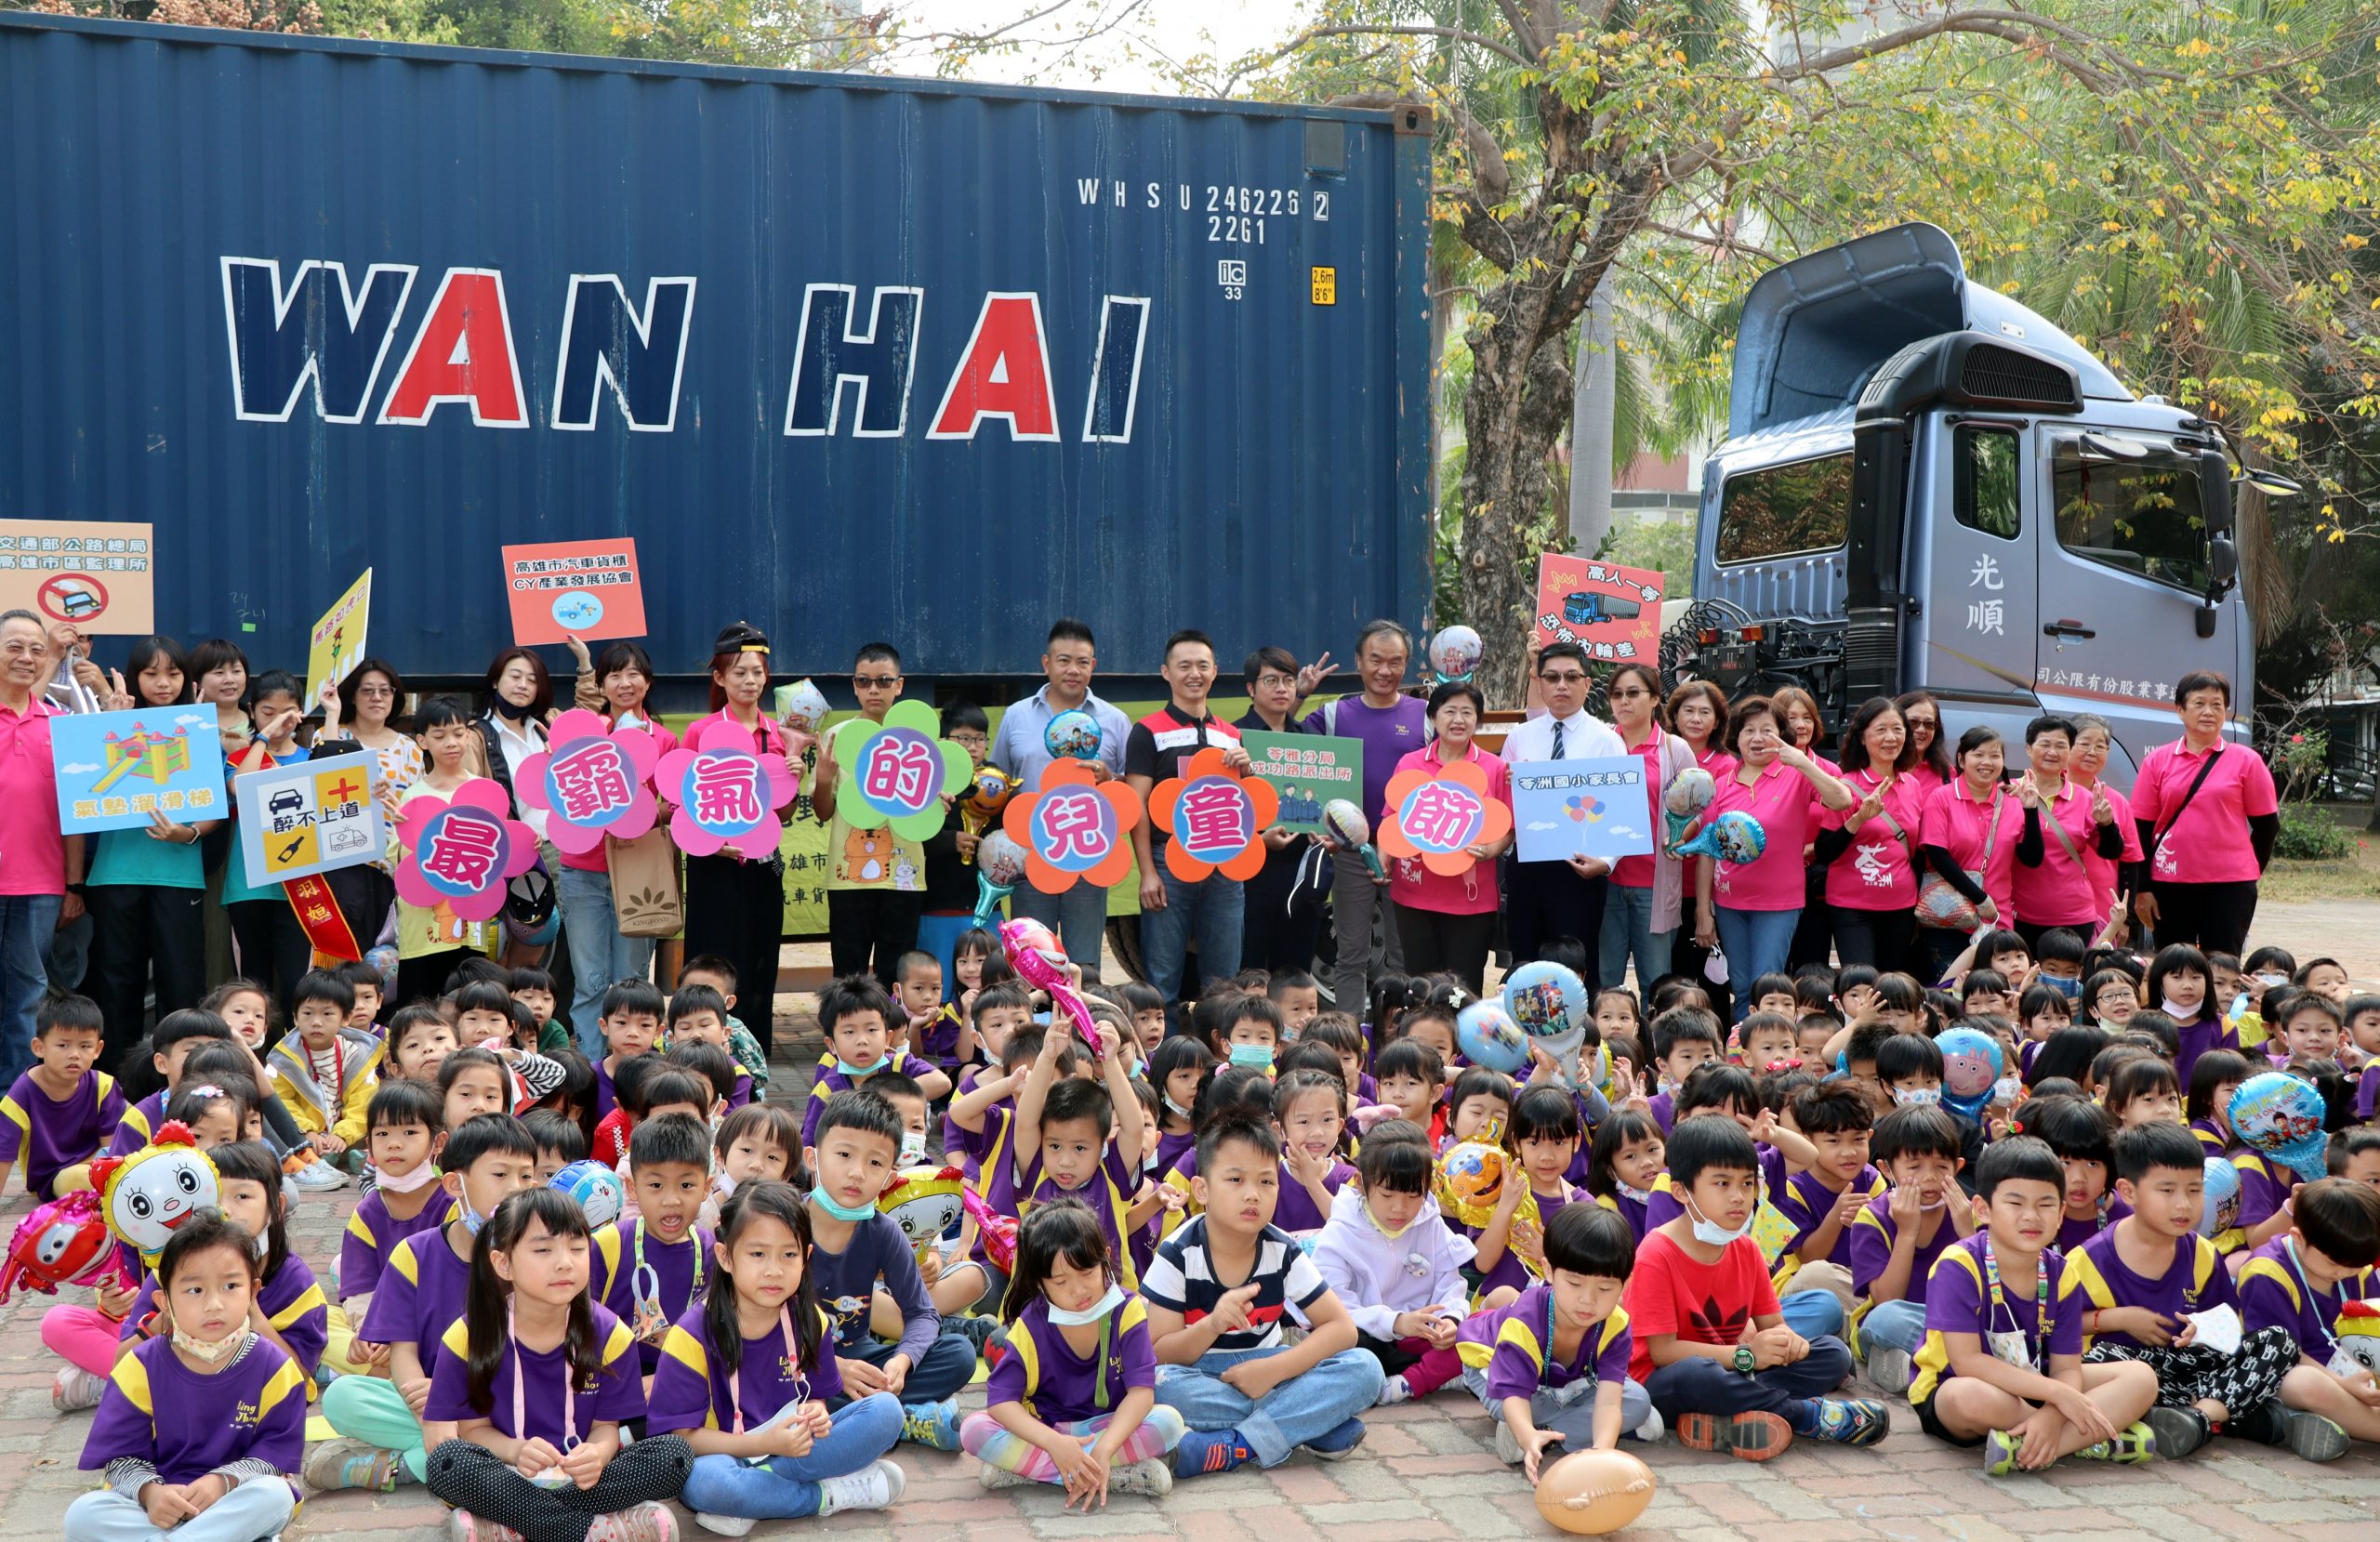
(2307, 1296)
(2000, 1299)
(644, 1281)
(793, 1358)
(520, 1396)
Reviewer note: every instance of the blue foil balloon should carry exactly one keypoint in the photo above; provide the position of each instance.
(1734, 837)
(2222, 1211)
(1971, 1065)
(597, 1188)
(1487, 1035)
(1546, 999)
(2280, 1117)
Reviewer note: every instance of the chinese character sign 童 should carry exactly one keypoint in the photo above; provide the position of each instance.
(898, 771)
(725, 794)
(1073, 828)
(1589, 807)
(310, 817)
(1305, 772)
(562, 589)
(118, 771)
(1216, 819)
(1613, 611)
(1440, 821)
(591, 779)
(461, 853)
(101, 577)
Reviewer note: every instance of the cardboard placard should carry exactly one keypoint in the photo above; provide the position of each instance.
(100, 576)
(1613, 611)
(117, 770)
(309, 816)
(1307, 770)
(1594, 807)
(587, 589)
(335, 644)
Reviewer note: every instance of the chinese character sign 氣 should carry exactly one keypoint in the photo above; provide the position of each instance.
(1588, 808)
(118, 771)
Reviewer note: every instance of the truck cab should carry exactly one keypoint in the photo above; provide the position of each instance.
(1927, 485)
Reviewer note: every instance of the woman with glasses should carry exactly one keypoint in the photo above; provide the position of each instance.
(1445, 924)
(363, 713)
(1640, 916)
(1929, 761)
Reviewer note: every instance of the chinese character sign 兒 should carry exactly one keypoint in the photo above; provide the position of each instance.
(1589, 807)
(461, 853)
(1073, 828)
(725, 792)
(1439, 820)
(899, 771)
(592, 781)
(1216, 819)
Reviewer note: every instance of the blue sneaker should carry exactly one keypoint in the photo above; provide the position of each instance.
(1335, 1442)
(932, 1424)
(1200, 1453)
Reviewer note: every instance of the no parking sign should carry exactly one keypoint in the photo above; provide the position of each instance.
(101, 577)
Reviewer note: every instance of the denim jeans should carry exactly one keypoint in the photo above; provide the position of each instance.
(26, 923)
(1814, 1314)
(1698, 1385)
(600, 956)
(1627, 933)
(1303, 1409)
(785, 1488)
(1756, 941)
(1569, 1409)
(1898, 1324)
(948, 1365)
(1210, 910)
(1079, 917)
(258, 1507)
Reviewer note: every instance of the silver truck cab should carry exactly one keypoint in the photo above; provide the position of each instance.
(1925, 484)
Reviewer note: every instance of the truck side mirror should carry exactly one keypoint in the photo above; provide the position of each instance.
(2223, 565)
(2214, 490)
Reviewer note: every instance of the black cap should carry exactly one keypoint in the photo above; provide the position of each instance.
(740, 637)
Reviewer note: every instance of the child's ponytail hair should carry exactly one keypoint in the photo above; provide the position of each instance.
(486, 1310)
(1063, 1229)
(763, 1199)
(198, 1098)
(253, 1162)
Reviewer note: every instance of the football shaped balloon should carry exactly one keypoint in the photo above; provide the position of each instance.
(1487, 1035)
(1595, 1492)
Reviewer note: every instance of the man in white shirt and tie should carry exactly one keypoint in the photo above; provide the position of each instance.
(1558, 898)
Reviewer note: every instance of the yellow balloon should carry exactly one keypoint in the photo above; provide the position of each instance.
(1595, 1492)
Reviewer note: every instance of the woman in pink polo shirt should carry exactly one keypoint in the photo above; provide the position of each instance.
(1641, 912)
(1751, 910)
(1929, 759)
(1969, 838)
(1446, 923)
(2062, 822)
(2086, 768)
(1868, 852)
(1697, 712)
(2207, 816)
(1799, 720)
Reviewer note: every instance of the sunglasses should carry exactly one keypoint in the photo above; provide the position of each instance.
(876, 682)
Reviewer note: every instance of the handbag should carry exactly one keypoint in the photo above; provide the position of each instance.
(1940, 904)
(647, 900)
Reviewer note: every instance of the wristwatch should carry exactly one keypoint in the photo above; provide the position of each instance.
(1744, 1359)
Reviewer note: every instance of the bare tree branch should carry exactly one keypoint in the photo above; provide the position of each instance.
(1456, 33)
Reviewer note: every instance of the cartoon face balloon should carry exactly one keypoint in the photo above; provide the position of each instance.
(597, 1188)
(1546, 999)
(1487, 1035)
(64, 1242)
(924, 1203)
(1595, 1492)
(1472, 1173)
(150, 1194)
(801, 705)
(1455, 653)
(1073, 734)
(2280, 1117)
(1971, 1063)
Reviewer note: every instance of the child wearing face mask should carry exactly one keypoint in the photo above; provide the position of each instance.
(1392, 1258)
(2181, 986)
(287, 1307)
(1897, 1236)
(174, 1464)
(855, 1014)
(403, 1124)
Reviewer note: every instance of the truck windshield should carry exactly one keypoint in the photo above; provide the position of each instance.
(2137, 517)
(1777, 510)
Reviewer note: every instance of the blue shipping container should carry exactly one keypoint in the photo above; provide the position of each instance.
(849, 356)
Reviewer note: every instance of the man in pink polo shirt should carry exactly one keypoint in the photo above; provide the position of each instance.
(37, 862)
(2208, 815)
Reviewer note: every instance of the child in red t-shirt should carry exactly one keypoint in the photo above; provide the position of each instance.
(1712, 1347)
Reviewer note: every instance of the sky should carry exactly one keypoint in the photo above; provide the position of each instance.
(1128, 57)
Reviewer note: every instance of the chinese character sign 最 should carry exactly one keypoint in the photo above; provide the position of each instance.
(101, 577)
(309, 817)
(1307, 770)
(461, 852)
(1589, 807)
(117, 771)
(1611, 611)
(562, 589)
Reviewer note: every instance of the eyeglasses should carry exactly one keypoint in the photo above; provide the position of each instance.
(876, 682)
(1630, 695)
(2114, 999)
(374, 692)
(970, 741)
(1275, 683)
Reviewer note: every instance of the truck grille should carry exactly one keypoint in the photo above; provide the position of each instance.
(1999, 376)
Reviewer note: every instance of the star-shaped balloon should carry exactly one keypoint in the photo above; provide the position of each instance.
(896, 771)
(460, 852)
(724, 793)
(1216, 819)
(593, 781)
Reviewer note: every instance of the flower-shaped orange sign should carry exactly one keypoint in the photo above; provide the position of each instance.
(1439, 818)
(1216, 818)
(1072, 829)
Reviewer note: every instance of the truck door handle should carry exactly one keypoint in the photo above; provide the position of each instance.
(2067, 628)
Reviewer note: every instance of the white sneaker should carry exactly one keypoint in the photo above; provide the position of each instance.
(646, 1523)
(1508, 1448)
(74, 1388)
(1153, 1478)
(318, 1177)
(875, 1486)
(1000, 1477)
(1394, 1389)
(1652, 1429)
(1888, 1368)
(726, 1525)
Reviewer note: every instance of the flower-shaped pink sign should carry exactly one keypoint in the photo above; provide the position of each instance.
(591, 780)
(461, 853)
(725, 794)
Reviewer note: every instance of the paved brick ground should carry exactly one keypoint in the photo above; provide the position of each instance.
(1426, 1471)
